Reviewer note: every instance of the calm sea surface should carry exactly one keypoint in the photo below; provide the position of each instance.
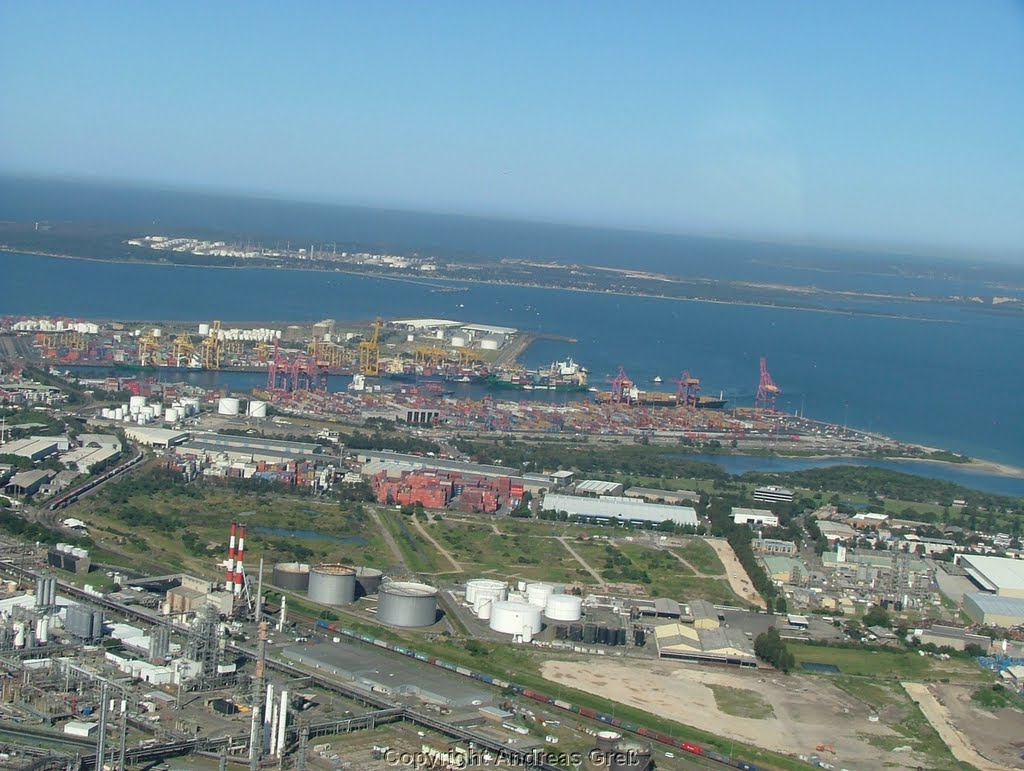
(950, 376)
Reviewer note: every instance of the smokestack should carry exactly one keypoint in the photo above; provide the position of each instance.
(282, 722)
(273, 729)
(239, 557)
(229, 576)
(268, 713)
(284, 613)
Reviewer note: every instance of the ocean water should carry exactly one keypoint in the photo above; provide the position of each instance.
(953, 382)
(944, 375)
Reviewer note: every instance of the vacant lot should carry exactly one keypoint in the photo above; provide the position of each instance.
(799, 712)
(882, 664)
(997, 735)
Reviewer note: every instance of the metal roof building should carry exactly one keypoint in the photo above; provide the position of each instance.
(599, 487)
(720, 646)
(993, 610)
(999, 575)
(620, 509)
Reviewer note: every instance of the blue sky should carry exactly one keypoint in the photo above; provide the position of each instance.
(872, 122)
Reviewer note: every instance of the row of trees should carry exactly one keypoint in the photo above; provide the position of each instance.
(770, 647)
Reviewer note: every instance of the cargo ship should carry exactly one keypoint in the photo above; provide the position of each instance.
(662, 399)
(557, 376)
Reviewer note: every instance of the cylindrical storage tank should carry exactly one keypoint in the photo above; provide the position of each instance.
(293, 576)
(136, 403)
(459, 341)
(78, 552)
(332, 584)
(97, 624)
(526, 636)
(157, 332)
(488, 585)
(537, 594)
(404, 603)
(367, 581)
(489, 344)
(257, 409)
(485, 610)
(521, 586)
(19, 635)
(228, 405)
(204, 329)
(564, 607)
(607, 740)
(513, 617)
(191, 404)
(171, 416)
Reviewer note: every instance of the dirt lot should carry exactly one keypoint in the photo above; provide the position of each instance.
(739, 581)
(984, 738)
(807, 711)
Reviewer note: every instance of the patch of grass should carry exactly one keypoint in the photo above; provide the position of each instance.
(741, 703)
(702, 556)
(997, 697)
(884, 664)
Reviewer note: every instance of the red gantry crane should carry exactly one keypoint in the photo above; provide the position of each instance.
(767, 391)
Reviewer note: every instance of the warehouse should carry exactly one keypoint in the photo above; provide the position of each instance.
(598, 487)
(712, 646)
(620, 509)
(742, 516)
(998, 575)
(663, 496)
(28, 482)
(953, 637)
(34, 448)
(155, 437)
(993, 610)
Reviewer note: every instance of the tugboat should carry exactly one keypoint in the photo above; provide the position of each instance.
(656, 379)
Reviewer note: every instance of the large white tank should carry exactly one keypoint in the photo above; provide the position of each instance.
(19, 635)
(157, 332)
(514, 617)
(191, 404)
(487, 584)
(229, 405)
(204, 329)
(332, 584)
(538, 593)
(459, 341)
(171, 415)
(136, 403)
(564, 607)
(490, 344)
(257, 409)
(485, 610)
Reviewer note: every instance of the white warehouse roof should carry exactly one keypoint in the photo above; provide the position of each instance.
(620, 508)
(1001, 575)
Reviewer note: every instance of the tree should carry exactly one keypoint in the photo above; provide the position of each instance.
(780, 605)
(770, 647)
(877, 616)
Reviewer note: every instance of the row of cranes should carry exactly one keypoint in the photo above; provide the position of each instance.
(208, 354)
(625, 391)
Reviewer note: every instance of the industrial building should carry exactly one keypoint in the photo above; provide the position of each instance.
(28, 482)
(438, 489)
(155, 437)
(663, 496)
(782, 569)
(598, 487)
(620, 509)
(773, 546)
(953, 637)
(994, 610)
(773, 494)
(999, 575)
(835, 531)
(713, 646)
(253, 449)
(35, 448)
(743, 516)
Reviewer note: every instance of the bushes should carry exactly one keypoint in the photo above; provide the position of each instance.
(770, 647)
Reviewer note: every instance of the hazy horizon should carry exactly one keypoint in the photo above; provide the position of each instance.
(897, 124)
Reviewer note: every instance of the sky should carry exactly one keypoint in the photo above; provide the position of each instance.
(858, 122)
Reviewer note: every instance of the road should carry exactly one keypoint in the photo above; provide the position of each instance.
(942, 722)
(579, 559)
(457, 568)
(739, 581)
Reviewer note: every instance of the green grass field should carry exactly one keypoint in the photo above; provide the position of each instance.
(739, 702)
(882, 664)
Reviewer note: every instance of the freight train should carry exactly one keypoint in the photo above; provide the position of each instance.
(529, 693)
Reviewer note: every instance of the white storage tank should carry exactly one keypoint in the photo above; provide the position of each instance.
(136, 403)
(171, 416)
(564, 607)
(229, 405)
(538, 593)
(485, 610)
(490, 344)
(191, 404)
(157, 332)
(459, 341)
(204, 329)
(488, 585)
(405, 603)
(257, 409)
(332, 584)
(515, 617)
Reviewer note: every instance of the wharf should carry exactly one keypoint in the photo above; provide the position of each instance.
(523, 340)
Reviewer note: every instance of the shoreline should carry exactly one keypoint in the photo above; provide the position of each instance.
(481, 282)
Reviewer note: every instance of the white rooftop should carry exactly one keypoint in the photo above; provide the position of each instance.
(620, 508)
(997, 574)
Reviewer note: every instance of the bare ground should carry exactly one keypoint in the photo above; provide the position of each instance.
(808, 711)
(984, 738)
(739, 581)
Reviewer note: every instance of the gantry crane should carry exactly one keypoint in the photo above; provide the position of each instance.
(212, 347)
(369, 352)
(767, 391)
(468, 357)
(327, 353)
(148, 347)
(688, 388)
(262, 351)
(182, 349)
(430, 356)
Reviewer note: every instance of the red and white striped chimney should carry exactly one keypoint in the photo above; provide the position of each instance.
(229, 576)
(240, 555)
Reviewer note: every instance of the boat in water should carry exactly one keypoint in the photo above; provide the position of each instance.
(558, 376)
